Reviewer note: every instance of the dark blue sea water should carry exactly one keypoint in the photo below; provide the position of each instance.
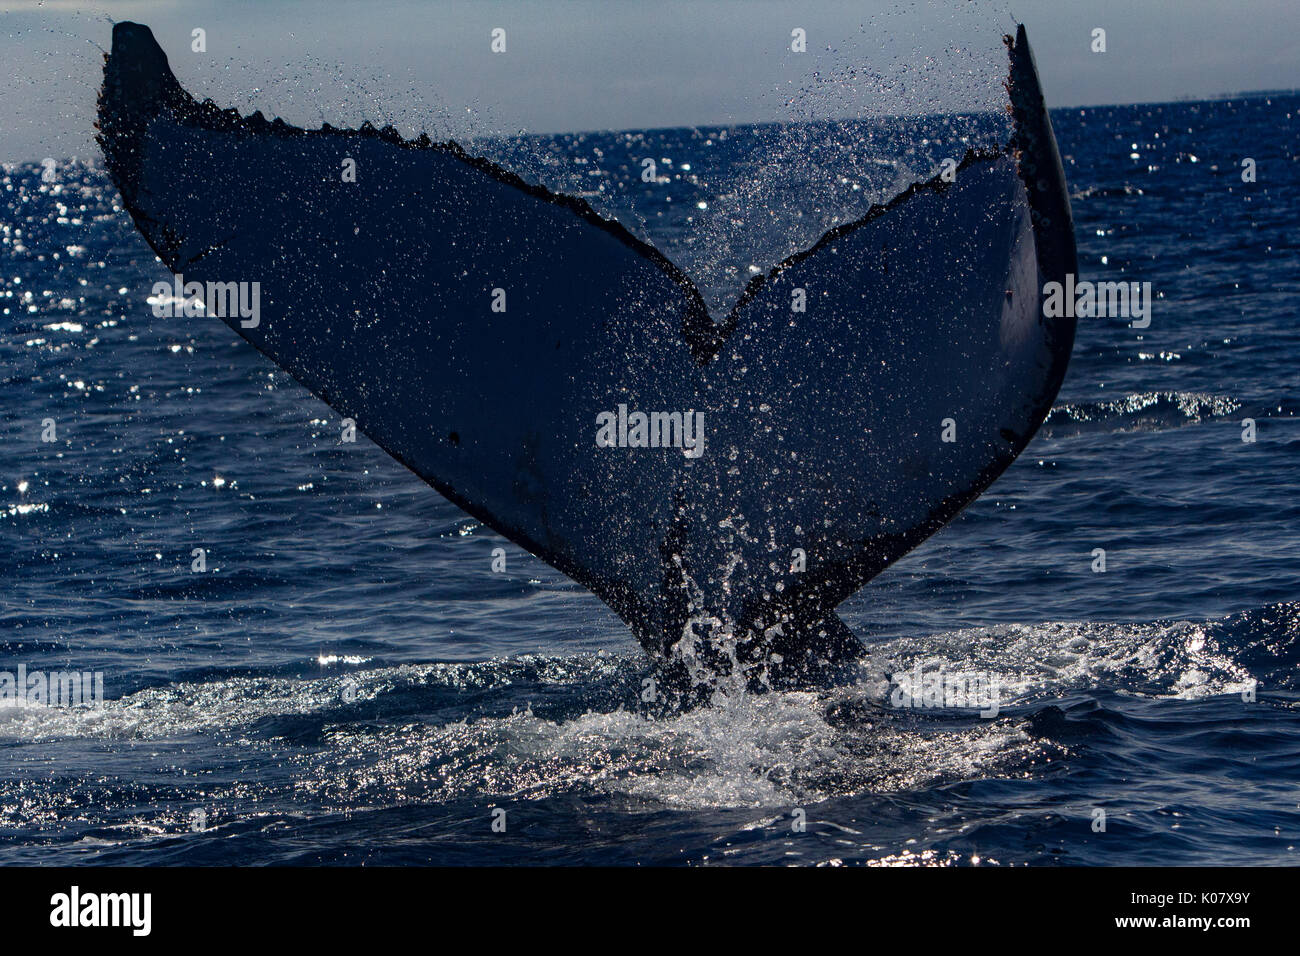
(349, 681)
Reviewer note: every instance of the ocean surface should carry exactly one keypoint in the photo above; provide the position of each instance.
(350, 682)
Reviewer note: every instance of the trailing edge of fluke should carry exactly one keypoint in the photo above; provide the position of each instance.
(821, 460)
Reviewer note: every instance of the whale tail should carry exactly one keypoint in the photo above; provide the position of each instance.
(550, 351)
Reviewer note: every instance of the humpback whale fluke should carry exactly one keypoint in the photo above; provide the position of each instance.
(565, 420)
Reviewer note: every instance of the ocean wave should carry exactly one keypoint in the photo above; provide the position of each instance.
(1106, 192)
(1139, 411)
(537, 727)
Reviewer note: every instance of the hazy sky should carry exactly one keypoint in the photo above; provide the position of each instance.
(600, 64)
